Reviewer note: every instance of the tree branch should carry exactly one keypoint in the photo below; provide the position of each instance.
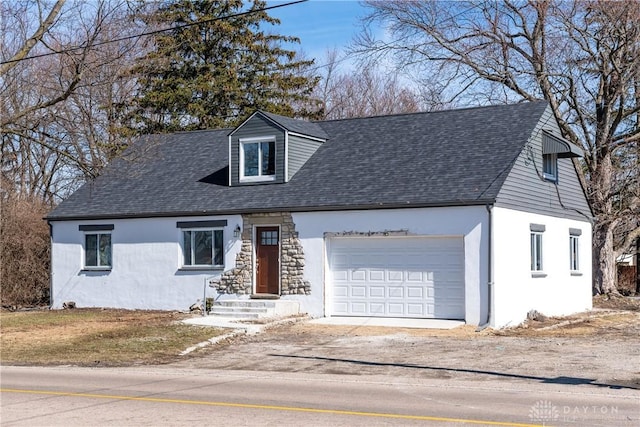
(628, 241)
(34, 39)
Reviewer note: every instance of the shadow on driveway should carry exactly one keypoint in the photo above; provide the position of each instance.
(556, 380)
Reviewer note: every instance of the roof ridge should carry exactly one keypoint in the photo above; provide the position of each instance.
(193, 131)
(415, 113)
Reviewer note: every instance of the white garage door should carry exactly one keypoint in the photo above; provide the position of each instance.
(397, 277)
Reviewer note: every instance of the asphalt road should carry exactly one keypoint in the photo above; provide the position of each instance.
(165, 396)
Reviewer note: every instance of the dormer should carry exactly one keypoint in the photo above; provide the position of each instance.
(269, 149)
(553, 148)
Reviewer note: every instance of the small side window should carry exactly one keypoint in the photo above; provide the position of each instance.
(574, 250)
(573, 253)
(550, 167)
(536, 238)
(536, 251)
(97, 250)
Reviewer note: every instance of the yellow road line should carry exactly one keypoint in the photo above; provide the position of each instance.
(271, 407)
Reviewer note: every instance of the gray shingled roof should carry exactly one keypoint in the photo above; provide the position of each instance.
(456, 157)
(303, 127)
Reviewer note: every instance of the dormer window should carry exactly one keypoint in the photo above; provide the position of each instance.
(554, 148)
(257, 159)
(270, 149)
(550, 167)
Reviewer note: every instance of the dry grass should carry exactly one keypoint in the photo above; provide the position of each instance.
(616, 302)
(90, 337)
(614, 316)
(610, 324)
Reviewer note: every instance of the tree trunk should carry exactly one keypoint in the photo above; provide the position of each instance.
(604, 256)
(604, 259)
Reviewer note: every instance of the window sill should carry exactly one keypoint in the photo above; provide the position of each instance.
(537, 274)
(202, 268)
(86, 269)
(265, 178)
(576, 273)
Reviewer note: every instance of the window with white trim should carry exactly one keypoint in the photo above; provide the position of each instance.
(536, 251)
(550, 166)
(203, 247)
(97, 246)
(574, 250)
(537, 231)
(97, 250)
(257, 159)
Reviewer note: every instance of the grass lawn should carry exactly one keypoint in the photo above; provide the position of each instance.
(96, 337)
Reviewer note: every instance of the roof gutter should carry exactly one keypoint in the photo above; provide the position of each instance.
(490, 292)
(328, 208)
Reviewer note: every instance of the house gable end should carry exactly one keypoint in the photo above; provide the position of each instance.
(529, 188)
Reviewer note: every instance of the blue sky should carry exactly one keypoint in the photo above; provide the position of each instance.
(320, 25)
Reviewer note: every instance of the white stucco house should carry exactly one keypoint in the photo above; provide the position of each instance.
(473, 214)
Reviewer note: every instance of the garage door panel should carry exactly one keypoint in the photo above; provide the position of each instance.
(415, 292)
(416, 310)
(357, 291)
(358, 308)
(341, 307)
(340, 291)
(377, 308)
(395, 276)
(376, 275)
(358, 275)
(377, 291)
(398, 277)
(415, 276)
(395, 309)
(396, 291)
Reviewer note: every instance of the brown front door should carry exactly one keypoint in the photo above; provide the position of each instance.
(268, 260)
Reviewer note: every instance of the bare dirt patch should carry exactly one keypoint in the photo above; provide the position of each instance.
(92, 337)
(617, 302)
(606, 324)
(598, 348)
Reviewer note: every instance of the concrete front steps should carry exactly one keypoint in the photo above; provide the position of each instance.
(254, 309)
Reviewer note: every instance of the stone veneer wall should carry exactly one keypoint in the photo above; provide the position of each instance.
(238, 279)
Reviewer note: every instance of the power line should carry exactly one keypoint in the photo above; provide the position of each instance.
(179, 27)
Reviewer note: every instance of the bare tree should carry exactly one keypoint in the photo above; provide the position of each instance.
(582, 57)
(59, 80)
(44, 25)
(366, 92)
(61, 75)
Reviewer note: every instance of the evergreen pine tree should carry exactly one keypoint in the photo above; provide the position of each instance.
(216, 73)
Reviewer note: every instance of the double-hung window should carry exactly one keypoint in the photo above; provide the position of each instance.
(537, 231)
(257, 159)
(202, 243)
(574, 250)
(97, 246)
